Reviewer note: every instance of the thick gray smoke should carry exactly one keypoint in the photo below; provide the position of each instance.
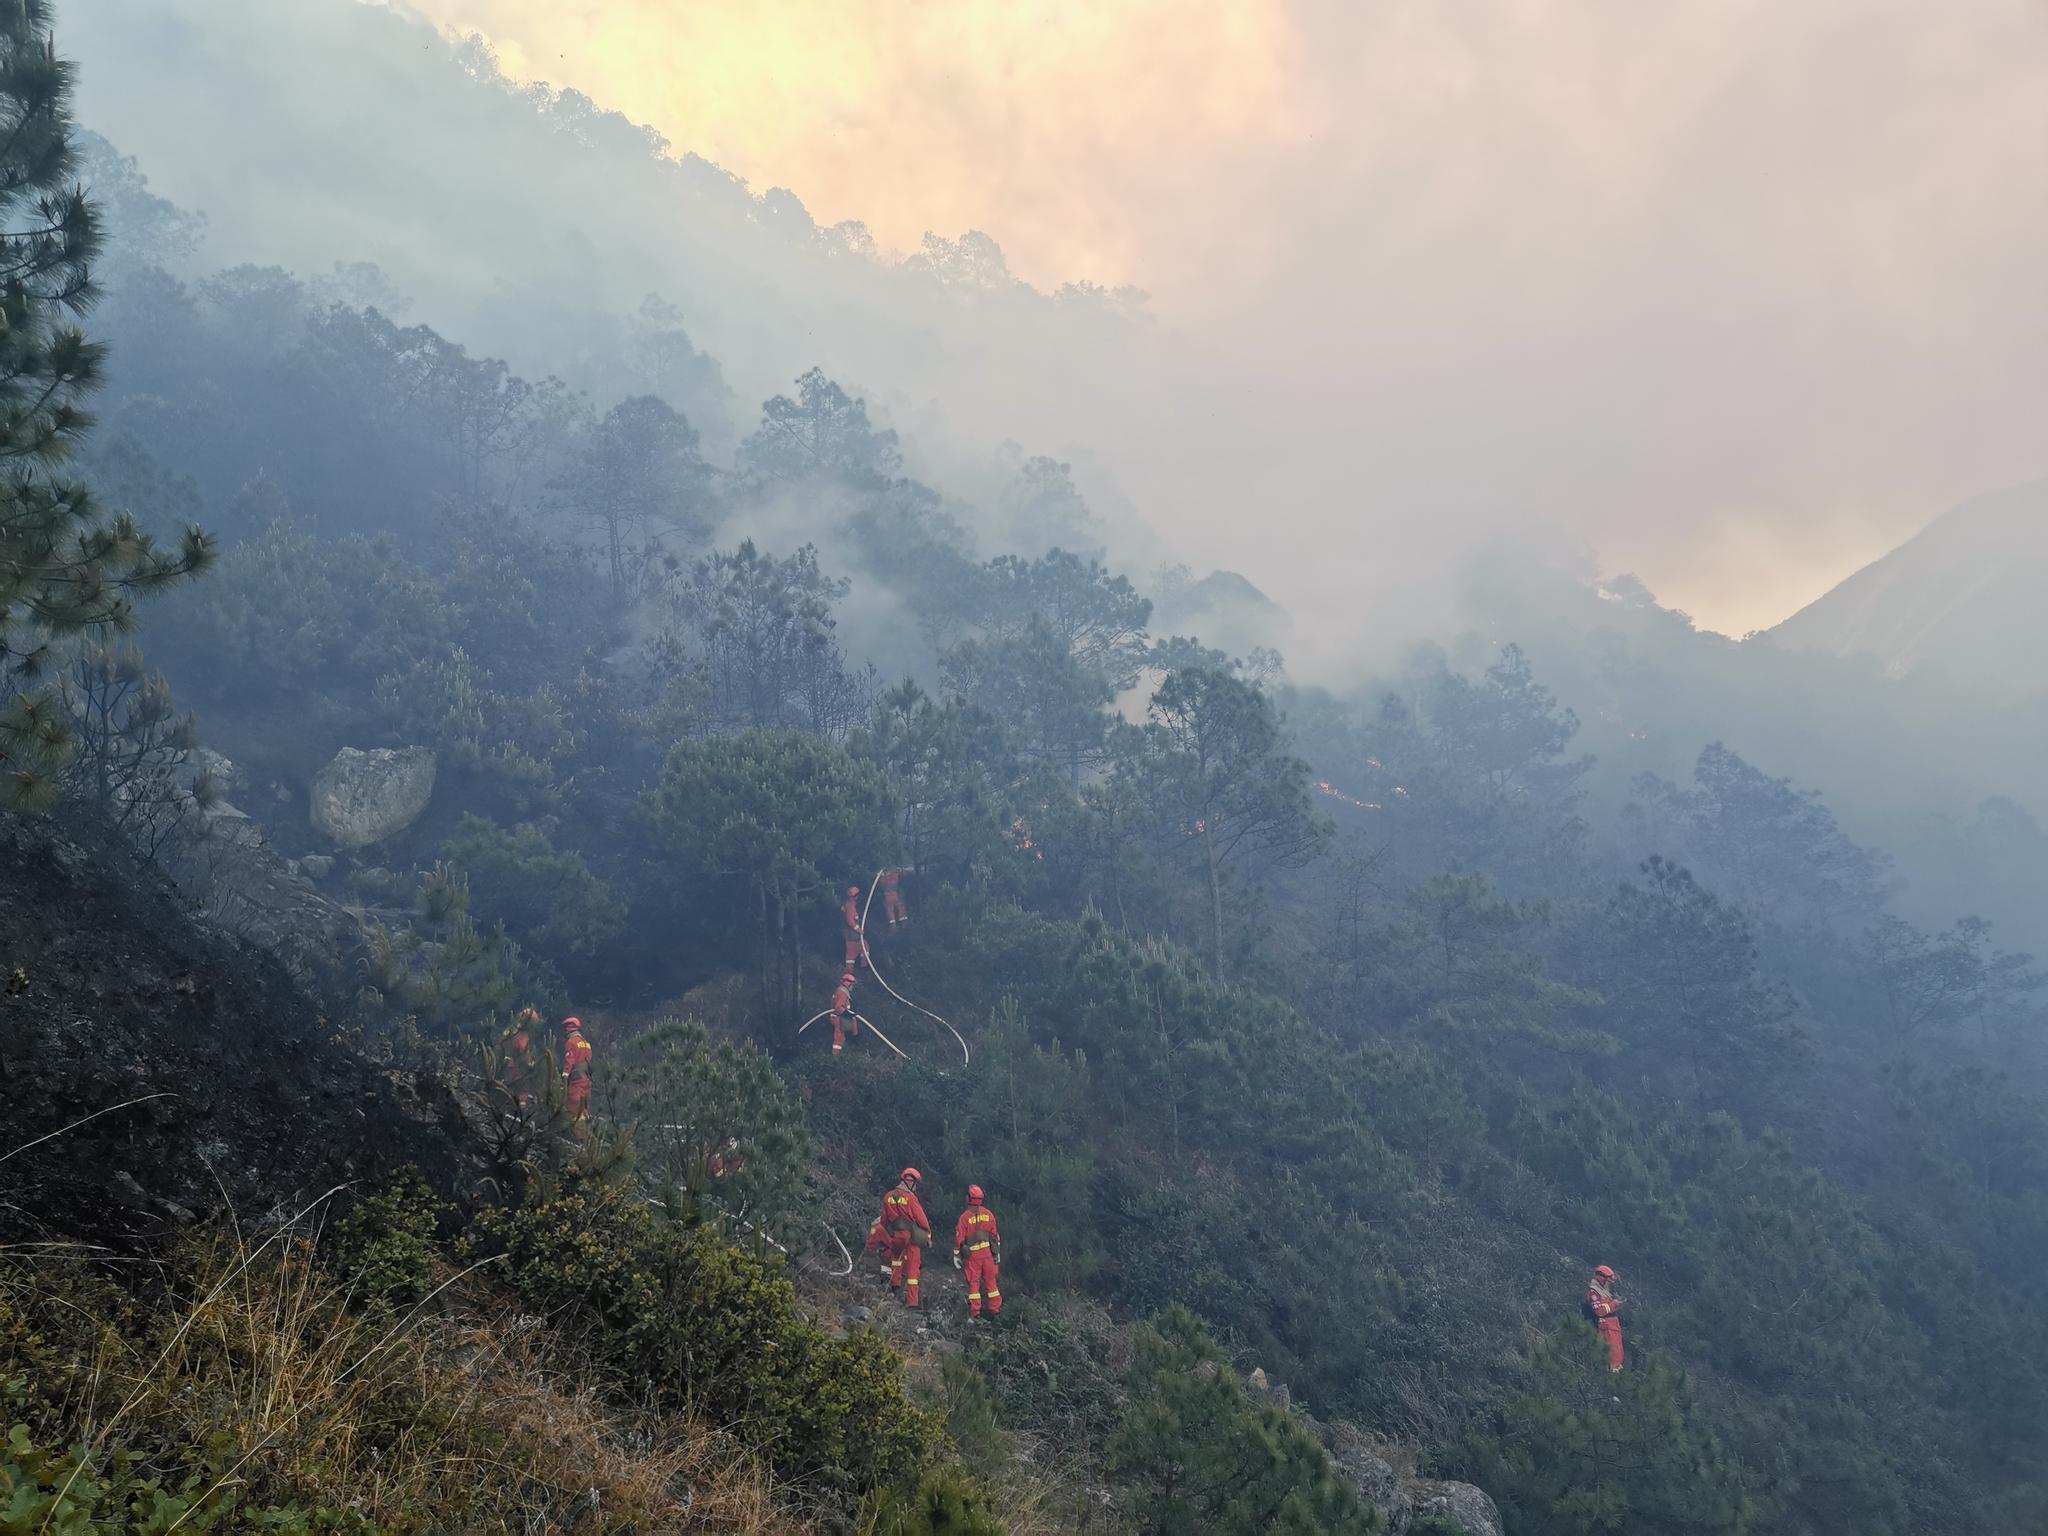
(1734, 299)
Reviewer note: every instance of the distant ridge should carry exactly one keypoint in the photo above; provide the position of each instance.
(1966, 596)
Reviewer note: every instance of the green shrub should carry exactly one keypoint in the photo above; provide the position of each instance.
(1588, 1451)
(48, 1492)
(522, 743)
(547, 892)
(970, 1410)
(1203, 1455)
(716, 1126)
(290, 614)
(1057, 1371)
(446, 972)
(676, 1315)
(383, 1250)
(945, 1502)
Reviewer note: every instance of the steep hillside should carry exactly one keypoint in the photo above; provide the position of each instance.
(241, 1103)
(1966, 597)
(1313, 1049)
(251, 1279)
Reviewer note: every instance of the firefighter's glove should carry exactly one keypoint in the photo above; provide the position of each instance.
(956, 1261)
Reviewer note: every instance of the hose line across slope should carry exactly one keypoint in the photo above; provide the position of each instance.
(869, 955)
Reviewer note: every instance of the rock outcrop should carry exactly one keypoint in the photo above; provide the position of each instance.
(362, 797)
(1458, 1505)
(219, 773)
(1406, 1502)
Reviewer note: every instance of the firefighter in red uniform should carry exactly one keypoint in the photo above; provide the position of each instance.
(850, 915)
(1604, 1307)
(516, 1062)
(908, 1230)
(978, 1235)
(892, 898)
(723, 1162)
(576, 1071)
(844, 1021)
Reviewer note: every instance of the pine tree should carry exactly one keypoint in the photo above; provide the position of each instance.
(638, 473)
(777, 809)
(1206, 1455)
(1587, 1452)
(67, 567)
(1212, 765)
(1687, 986)
(718, 1129)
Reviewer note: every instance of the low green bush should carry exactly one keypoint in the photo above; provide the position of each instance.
(81, 1491)
(944, 1502)
(383, 1249)
(675, 1315)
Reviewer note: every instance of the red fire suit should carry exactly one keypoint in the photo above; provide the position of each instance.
(850, 913)
(1605, 1307)
(723, 1162)
(977, 1235)
(907, 1229)
(843, 1021)
(892, 898)
(576, 1055)
(516, 1063)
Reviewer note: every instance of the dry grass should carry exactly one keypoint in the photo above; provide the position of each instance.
(1035, 1482)
(1039, 1499)
(457, 1416)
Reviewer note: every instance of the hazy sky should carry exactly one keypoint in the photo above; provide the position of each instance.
(1739, 290)
(1734, 294)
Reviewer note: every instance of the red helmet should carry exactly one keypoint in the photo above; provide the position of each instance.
(853, 890)
(911, 1176)
(974, 1194)
(849, 979)
(1604, 1272)
(572, 1024)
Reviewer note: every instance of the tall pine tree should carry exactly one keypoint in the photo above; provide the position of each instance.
(67, 566)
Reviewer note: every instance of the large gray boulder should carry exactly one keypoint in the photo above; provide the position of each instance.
(1371, 1474)
(218, 771)
(364, 797)
(1406, 1502)
(1465, 1509)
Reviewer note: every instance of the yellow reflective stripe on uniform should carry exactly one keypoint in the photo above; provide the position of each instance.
(977, 1247)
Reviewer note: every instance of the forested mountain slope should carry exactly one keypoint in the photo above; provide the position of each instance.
(1938, 772)
(1334, 1035)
